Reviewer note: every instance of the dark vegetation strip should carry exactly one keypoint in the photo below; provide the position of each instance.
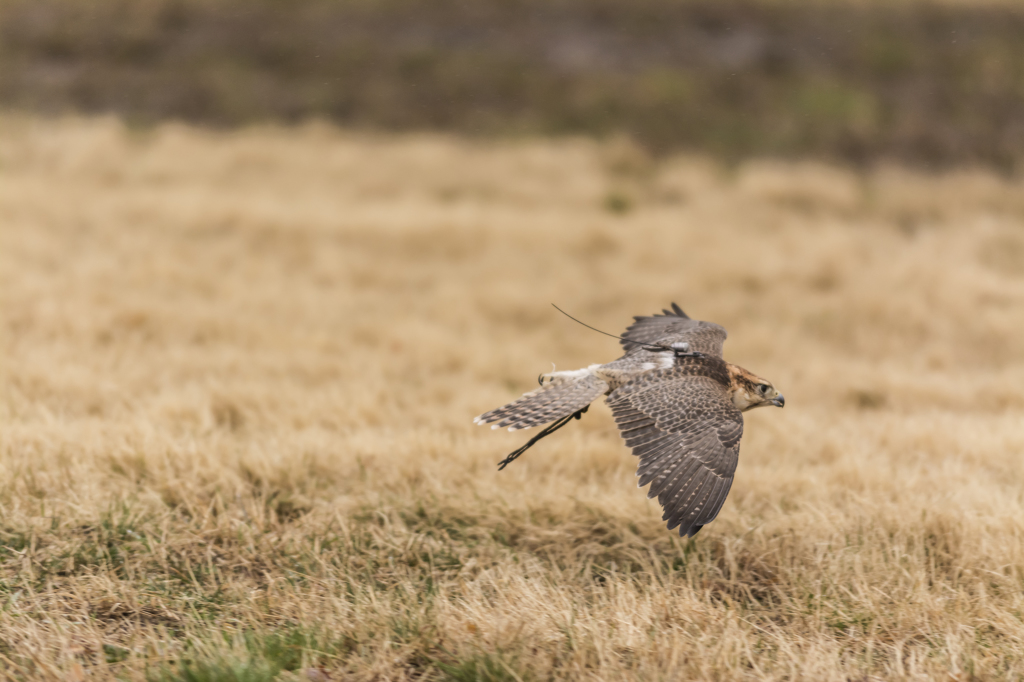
(920, 82)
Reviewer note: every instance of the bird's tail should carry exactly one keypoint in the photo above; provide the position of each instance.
(561, 394)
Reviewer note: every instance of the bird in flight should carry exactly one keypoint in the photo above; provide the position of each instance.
(678, 404)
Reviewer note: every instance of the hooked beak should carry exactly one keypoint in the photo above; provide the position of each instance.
(779, 401)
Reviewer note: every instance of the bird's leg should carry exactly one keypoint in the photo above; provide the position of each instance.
(546, 432)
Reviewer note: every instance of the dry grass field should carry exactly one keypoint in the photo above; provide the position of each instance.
(240, 371)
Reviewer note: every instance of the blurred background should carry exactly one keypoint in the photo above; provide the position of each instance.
(931, 83)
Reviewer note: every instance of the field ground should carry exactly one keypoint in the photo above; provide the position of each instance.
(240, 371)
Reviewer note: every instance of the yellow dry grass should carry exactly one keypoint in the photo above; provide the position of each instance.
(240, 371)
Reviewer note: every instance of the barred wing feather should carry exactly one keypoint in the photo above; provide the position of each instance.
(675, 326)
(686, 432)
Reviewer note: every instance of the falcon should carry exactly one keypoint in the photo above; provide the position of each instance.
(678, 404)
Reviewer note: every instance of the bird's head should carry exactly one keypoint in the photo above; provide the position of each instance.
(750, 391)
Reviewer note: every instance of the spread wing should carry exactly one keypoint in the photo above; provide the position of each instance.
(674, 326)
(686, 432)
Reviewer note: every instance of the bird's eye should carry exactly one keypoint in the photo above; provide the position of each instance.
(762, 389)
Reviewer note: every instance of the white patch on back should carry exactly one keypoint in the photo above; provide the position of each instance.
(569, 374)
(664, 361)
